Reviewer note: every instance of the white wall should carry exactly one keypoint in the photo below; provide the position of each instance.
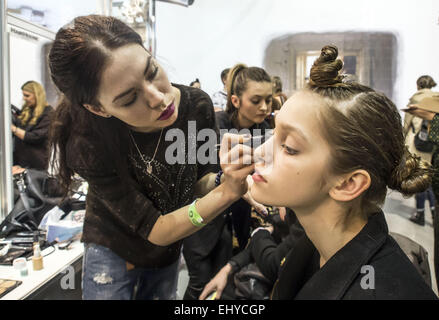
(59, 12)
(203, 39)
(25, 64)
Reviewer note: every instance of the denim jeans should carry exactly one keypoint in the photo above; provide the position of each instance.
(421, 197)
(106, 276)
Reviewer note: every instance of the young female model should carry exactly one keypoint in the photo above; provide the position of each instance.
(336, 149)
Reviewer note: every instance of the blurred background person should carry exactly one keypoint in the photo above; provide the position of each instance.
(412, 126)
(31, 129)
(279, 99)
(277, 90)
(219, 98)
(196, 84)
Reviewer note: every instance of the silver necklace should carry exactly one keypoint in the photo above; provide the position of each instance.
(147, 163)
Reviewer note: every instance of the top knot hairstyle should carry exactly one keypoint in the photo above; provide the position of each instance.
(325, 69)
(364, 129)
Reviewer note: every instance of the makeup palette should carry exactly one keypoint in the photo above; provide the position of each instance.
(7, 285)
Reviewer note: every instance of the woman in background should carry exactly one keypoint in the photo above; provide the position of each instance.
(31, 129)
(279, 99)
(195, 84)
(206, 252)
(249, 101)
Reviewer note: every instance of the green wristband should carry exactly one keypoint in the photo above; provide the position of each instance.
(194, 216)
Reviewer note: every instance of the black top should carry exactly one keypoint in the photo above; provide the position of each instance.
(33, 151)
(120, 216)
(370, 266)
(266, 252)
(224, 121)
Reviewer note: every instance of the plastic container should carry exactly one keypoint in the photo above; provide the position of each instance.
(21, 265)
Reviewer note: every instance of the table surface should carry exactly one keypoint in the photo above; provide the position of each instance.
(54, 263)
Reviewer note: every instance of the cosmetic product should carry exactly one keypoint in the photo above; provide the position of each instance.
(37, 258)
(21, 265)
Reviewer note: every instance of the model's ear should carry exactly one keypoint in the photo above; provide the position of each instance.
(96, 110)
(235, 101)
(351, 186)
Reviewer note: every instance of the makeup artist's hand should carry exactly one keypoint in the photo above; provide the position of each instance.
(236, 161)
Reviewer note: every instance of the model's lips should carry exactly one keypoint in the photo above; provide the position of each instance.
(258, 178)
(169, 111)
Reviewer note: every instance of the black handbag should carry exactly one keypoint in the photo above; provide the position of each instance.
(35, 193)
(422, 143)
(251, 284)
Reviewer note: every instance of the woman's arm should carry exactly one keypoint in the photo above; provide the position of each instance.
(18, 132)
(236, 163)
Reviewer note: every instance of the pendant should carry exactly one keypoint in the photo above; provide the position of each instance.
(149, 168)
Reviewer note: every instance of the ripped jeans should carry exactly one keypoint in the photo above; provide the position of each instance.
(105, 276)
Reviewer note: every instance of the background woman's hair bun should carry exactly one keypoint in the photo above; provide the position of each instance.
(324, 71)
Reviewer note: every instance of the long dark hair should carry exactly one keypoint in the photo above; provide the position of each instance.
(76, 60)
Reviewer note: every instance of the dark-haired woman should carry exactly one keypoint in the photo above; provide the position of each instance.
(114, 127)
(249, 101)
(336, 148)
(206, 252)
(195, 84)
(31, 129)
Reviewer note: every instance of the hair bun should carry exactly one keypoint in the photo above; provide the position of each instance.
(411, 176)
(324, 71)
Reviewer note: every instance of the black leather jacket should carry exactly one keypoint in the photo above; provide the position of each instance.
(370, 266)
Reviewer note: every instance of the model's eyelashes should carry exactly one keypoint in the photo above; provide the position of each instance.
(289, 150)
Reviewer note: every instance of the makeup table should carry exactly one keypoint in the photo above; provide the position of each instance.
(54, 280)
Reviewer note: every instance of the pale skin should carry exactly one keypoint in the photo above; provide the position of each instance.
(136, 90)
(299, 161)
(294, 166)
